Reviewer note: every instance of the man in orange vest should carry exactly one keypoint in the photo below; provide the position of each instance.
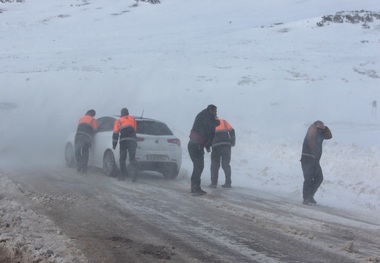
(223, 140)
(87, 127)
(125, 128)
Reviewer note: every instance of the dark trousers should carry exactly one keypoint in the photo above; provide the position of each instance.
(196, 152)
(82, 150)
(127, 147)
(313, 176)
(221, 154)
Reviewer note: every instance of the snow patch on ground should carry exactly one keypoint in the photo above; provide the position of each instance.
(28, 237)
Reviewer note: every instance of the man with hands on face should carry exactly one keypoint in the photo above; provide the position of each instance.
(311, 155)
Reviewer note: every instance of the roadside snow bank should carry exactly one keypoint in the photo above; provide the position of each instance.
(28, 237)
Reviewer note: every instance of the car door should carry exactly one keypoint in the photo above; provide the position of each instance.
(102, 140)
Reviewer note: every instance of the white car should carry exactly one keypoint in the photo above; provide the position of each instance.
(157, 148)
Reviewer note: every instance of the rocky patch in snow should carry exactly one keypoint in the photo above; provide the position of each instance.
(353, 17)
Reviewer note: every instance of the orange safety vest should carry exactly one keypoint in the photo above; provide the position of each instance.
(89, 120)
(224, 126)
(124, 122)
(87, 126)
(127, 128)
(224, 134)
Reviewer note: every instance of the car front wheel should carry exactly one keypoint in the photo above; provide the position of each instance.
(109, 163)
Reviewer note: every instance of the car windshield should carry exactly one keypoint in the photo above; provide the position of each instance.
(152, 128)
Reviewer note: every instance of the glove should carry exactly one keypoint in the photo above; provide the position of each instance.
(208, 149)
(233, 141)
(114, 146)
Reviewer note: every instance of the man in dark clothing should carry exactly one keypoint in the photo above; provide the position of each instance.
(201, 136)
(87, 127)
(311, 155)
(126, 127)
(223, 140)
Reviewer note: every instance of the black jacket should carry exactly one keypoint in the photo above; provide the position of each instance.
(203, 130)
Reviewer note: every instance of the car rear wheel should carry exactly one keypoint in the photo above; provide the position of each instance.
(170, 172)
(109, 163)
(69, 155)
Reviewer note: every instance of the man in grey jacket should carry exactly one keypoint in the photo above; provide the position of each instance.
(311, 155)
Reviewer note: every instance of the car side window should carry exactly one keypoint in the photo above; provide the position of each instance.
(106, 124)
(153, 128)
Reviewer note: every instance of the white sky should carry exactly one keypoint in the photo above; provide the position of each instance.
(267, 66)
